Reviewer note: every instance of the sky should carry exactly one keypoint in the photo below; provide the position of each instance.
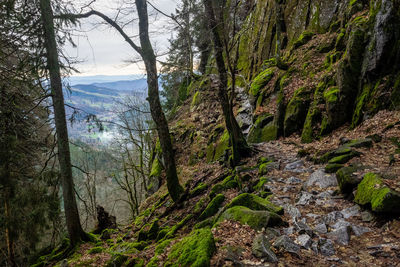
(102, 51)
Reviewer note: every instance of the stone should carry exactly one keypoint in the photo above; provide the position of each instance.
(271, 233)
(341, 223)
(254, 202)
(321, 228)
(321, 179)
(341, 235)
(293, 180)
(359, 230)
(305, 198)
(295, 166)
(325, 194)
(350, 212)
(284, 242)
(332, 217)
(302, 227)
(288, 231)
(326, 247)
(261, 249)
(314, 247)
(367, 216)
(304, 241)
(292, 211)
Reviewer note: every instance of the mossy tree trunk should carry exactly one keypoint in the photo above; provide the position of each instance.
(238, 142)
(74, 227)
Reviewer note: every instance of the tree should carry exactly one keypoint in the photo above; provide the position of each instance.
(74, 227)
(145, 50)
(237, 139)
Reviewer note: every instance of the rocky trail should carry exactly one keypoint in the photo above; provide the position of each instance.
(323, 227)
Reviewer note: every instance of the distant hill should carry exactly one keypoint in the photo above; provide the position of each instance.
(100, 99)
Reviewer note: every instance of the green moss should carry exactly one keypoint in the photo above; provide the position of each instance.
(296, 111)
(261, 81)
(196, 100)
(136, 262)
(260, 185)
(331, 95)
(344, 158)
(212, 207)
(230, 182)
(95, 250)
(222, 146)
(374, 192)
(171, 233)
(149, 232)
(117, 260)
(346, 180)
(333, 167)
(161, 247)
(198, 190)
(200, 204)
(254, 202)
(193, 250)
(216, 189)
(257, 219)
(264, 168)
(303, 39)
(126, 247)
(156, 168)
(313, 115)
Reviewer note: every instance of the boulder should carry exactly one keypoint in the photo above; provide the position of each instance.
(256, 219)
(373, 191)
(321, 179)
(254, 202)
(284, 242)
(261, 249)
(346, 179)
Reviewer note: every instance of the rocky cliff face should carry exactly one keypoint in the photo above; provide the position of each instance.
(340, 63)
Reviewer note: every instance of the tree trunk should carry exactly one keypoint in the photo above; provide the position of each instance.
(174, 188)
(238, 142)
(74, 227)
(9, 239)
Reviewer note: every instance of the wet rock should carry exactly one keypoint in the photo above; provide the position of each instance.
(326, 247)
(332, 217)
(305, 198)
(293, 180)
(284, 242)
(261, 249)
(297, 166)
(292, 211)
(341, 235)
(304, 241)
(350, 212)
(367, 216)
(321, 228)
(321, 179)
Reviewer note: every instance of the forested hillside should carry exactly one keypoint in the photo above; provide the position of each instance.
(274, 141)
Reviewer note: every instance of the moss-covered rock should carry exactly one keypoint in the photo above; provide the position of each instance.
(296, 111)
(333, 167)
(346, 180)
(260, 81)
(260, 184)
(303, 39)
(212, 207)
(216, 189)
(117, 260)
(344, 158)
(262, 130)
(200, 205)
(373, 191)
(95, 250)
(199, 189)
(358, 143)
(254, 202)
(334, 153)
(257, 219)
(193, 250)
(149, 232)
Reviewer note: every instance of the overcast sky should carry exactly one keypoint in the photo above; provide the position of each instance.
(102, 51)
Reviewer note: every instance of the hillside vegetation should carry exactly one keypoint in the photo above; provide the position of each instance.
(321, 185)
